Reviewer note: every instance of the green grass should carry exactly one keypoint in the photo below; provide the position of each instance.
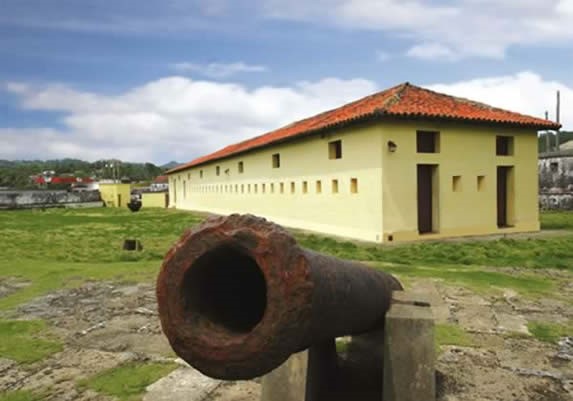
(60, 248)
(24, 341)
(555, 252)
(66, 247)
(127, 382)
(557, 220)
(450, 334)
(20, 396)
(550, 332)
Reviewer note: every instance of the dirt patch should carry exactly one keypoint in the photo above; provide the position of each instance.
(103, 325)
(9, 285)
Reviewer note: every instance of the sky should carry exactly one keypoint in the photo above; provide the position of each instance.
(163, 80)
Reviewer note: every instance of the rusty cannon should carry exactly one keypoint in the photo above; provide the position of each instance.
(237, 296)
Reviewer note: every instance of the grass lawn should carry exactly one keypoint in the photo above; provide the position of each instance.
(64, 247)
(127, 382)
(25, 341)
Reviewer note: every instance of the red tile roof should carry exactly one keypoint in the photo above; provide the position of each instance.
(161, 179)
(405, 101)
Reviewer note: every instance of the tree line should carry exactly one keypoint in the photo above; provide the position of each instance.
(17, 173)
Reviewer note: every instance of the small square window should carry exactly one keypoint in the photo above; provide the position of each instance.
(304, 187)
(276, 160)
(504, 145)
(354, 185)
(427, 141)
(457, 183)
(334, 186)
(335, 150)
(554, 167)
(481, 183)
(318, 187)
(241, 167)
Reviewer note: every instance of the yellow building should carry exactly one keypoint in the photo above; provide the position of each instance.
(403, 164)
(115, 194)
(154, 199)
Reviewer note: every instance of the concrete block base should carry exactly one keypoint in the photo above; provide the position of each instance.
(409, 350)
(396, 364)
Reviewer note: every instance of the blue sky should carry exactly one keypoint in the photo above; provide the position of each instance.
(173, 79)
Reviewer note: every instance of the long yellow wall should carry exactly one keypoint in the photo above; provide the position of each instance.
(356, 215)
(115, 195)
(467, 152)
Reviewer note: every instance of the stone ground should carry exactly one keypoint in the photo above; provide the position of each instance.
(104, 325)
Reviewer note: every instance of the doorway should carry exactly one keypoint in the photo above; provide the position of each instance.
(504, 174)
(427, 201)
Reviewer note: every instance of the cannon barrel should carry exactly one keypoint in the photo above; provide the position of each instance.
(237, 296)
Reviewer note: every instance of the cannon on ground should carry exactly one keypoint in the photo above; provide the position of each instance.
(237, 296)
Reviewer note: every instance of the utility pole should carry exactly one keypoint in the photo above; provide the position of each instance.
(557, 117)
(547, 137)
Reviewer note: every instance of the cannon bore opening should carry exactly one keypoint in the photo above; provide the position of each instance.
(226, 286)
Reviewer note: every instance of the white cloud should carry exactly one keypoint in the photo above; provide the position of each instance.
(218, 70)
(524, 92)
(179, 118)
(171, 118)
(467, 28)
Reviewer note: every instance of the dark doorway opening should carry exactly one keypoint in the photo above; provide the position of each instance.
(503, 173)
(426, 201)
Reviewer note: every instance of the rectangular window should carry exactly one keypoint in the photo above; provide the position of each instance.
(276, 160)
(256, 188)
(218, 170)
(292, 187)
(481, 183)
(236, 188)
(427, 142)
(263, 188)
(304, 187)
(249, 188)
(354, 185)
(241, 167)
(282, 187)
(242, 188)
(334, 186)
(504, 145)
(184, 189)
(457, 183)
(272, 188)
(335, 150)
(200, 173)
(318, 187)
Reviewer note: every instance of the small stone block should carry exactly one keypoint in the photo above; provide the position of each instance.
(409, 353)
(288, 381)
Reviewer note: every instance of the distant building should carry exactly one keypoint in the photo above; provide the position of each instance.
(556, 179)
(160, 184)
(45, 181)
(403, 164)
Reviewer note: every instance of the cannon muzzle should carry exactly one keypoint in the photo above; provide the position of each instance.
(237, 296)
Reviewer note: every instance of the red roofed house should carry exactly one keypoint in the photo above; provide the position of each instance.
(406, 163)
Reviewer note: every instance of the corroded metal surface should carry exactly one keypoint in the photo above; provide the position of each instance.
(237, 296)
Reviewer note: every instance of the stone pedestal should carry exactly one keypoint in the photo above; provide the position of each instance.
(409, 350)
(288, 381)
